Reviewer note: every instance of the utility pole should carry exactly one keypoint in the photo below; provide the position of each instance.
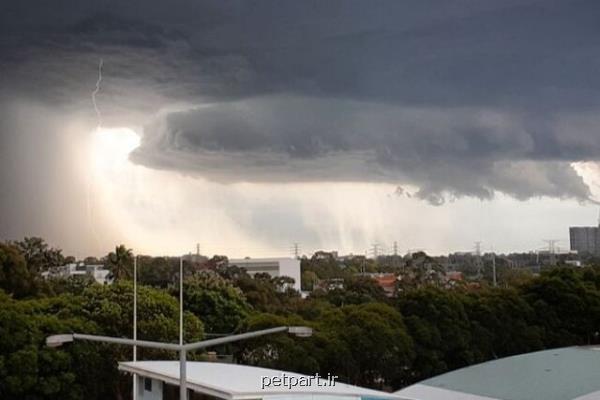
(495, 282)
(180, 301)
(135, 380)
(296, 250)
(182, 352)
(478, 258)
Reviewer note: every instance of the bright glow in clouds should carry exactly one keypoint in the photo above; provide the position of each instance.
(165, 212)
(111, 148)
(158, 212)
(590, 172)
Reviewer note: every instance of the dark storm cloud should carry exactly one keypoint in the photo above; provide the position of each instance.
(460, 151)
(458, 98)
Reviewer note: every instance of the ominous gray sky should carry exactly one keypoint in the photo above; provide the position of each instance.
(450, 99)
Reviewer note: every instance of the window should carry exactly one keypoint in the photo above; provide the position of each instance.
(147, 384)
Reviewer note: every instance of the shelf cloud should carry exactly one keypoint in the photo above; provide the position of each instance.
(453, 151)
(462, 98)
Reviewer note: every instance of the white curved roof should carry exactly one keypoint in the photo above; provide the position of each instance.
(571, 373)
(238, 382)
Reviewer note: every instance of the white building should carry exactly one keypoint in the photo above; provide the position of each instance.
(158, 380)
(96, 271)
(273, 266)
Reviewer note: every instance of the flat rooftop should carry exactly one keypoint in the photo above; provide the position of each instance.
(571, 373)
(240, 382)
(263, 259)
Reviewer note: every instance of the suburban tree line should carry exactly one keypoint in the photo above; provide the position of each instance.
(359, 334)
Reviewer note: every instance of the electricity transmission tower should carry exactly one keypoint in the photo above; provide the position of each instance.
(375, 247)
(296, 250)
(552, 249)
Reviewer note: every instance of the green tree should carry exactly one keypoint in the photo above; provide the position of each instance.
(29, 369)
(437, 321)
(157, 271)
(357, 290)
(120, 263)
(220, 305)
(309, 279)
(38, 255)
(566, 305)
(363, 344)
(370, 345)
(502, 324)
(71, 285)
(281, 350)
(110, 308)
(15, 277)
(265, 293)
(323, 265)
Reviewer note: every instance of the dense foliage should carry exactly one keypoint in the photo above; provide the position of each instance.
(360, 334)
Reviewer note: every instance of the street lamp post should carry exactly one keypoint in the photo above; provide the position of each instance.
(135, 381)
(183, 349)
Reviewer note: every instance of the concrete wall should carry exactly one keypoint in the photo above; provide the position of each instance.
(155, 394)
(272, 266)
(290, 267)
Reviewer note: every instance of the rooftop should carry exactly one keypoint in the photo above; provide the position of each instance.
(239, 382)
(261, 259)
(561, 374)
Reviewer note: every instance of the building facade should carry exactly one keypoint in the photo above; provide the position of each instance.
(97, 272)
(289, 267)
(159, 380)
(585, 239)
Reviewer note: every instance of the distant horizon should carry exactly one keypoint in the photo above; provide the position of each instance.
(402, 253)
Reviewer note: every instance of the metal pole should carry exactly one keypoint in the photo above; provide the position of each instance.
(182, 352)
(182, 375)
(494, 268)
(183, 349)
(128, 342)
(181, 300)
(234, 338)
(173, 346)
(135, 323)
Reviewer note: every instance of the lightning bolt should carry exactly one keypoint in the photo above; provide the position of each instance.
(90, 183)
(95, 92)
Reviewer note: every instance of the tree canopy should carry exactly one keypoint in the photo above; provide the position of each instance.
(360, 335)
